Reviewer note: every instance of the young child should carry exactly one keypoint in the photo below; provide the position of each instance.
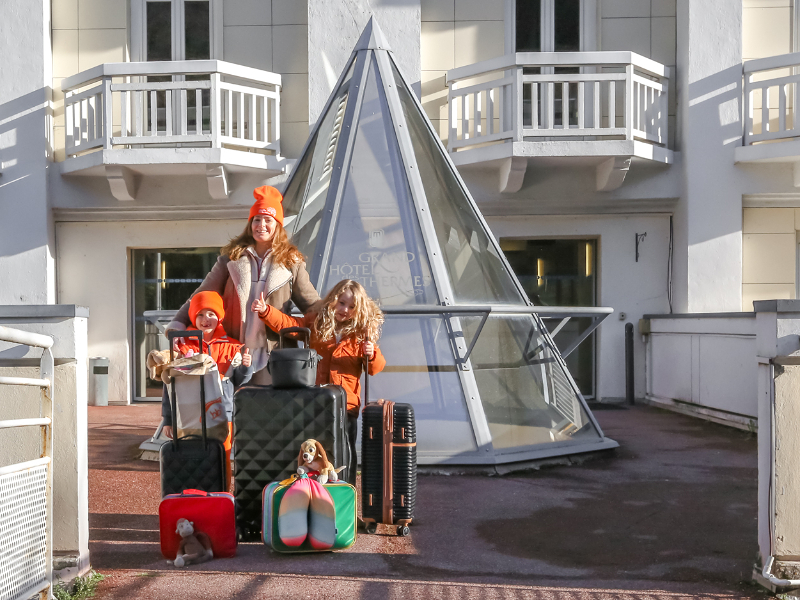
(206, 312)
(344, 327)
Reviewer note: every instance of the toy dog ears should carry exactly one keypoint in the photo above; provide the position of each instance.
(321, 452)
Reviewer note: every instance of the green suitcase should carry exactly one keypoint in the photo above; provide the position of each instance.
(345, 500)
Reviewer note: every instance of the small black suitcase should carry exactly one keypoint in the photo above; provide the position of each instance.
(268, 427)
(191, 462)
(388, 464)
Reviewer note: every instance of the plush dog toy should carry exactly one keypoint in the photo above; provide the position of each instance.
(312, 460)
(195, 546)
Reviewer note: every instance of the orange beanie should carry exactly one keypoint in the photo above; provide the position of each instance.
(268, 202)
(206, 300)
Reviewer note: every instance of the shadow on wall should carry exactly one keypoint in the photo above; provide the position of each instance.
(24, 125)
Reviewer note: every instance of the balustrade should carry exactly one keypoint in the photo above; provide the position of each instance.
(561, 95)
(208, 103)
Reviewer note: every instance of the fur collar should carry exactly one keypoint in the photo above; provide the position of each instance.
(241, 274)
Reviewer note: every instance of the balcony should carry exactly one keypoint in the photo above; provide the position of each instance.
(208, 118)
(603, 109)
(771, 127)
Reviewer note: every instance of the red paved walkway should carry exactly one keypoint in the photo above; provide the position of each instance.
(671, 514)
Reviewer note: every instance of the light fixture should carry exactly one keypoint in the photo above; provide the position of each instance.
(589, 259)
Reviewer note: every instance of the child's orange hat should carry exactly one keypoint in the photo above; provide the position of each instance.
(206, 300)
(268, 202)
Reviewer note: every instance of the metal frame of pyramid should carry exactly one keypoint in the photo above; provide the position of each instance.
(540, 353)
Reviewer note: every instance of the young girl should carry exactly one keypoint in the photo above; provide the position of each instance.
(344, 327)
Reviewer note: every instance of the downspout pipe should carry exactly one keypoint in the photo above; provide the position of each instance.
(776, 581)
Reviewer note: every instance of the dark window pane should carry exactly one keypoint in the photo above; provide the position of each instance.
(197, 30)
(567, 25)
(162, 280)
(529, 29)
(159, 31)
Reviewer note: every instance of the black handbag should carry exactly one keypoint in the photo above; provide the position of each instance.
(191, 462)
(293, 367)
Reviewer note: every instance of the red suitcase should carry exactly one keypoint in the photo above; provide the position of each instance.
(212, 513)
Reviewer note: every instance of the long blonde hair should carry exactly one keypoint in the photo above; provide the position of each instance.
(284, 252)
(367, 317)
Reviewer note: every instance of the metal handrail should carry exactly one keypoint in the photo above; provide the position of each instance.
(45, 422)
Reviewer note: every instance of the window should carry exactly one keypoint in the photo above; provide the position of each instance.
(561, 273)
(176, 30)
(163, 279)
(552, 26)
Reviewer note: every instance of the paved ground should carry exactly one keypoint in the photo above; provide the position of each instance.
(672, 513)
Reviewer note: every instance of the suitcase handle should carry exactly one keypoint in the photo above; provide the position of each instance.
(287, 330)
(171, 335)
(193, 492)
(366, 378)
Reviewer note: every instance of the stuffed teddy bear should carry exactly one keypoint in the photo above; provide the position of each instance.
(195, 546)
(313, 461)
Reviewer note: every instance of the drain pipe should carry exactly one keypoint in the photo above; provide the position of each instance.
(776, 581)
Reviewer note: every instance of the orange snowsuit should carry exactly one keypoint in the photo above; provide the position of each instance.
(341, 362)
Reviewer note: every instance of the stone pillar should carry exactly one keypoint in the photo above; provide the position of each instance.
(68, 325)
(778, 351)
(708, 216)
(333, 30)
(27, 265)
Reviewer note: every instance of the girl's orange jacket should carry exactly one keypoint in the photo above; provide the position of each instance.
(341, 363)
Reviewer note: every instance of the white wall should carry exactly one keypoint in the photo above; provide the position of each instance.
(27, 268)
(334, 28)
(635, 288)
(94, 271)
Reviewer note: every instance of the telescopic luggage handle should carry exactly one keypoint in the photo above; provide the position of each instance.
(171, 335)
(284, 332)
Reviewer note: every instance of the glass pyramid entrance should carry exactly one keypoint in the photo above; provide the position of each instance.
(375, 198)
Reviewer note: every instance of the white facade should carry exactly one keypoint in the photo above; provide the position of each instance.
(74, 216)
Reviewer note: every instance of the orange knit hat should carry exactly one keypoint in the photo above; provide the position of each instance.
(268, 202)
(203, 301)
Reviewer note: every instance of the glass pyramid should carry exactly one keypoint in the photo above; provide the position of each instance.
(375, 198)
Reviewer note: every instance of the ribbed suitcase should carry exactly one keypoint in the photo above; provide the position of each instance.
(213, 514)
(268, 427)
(192, 462)
(388, 465)
(344, 498)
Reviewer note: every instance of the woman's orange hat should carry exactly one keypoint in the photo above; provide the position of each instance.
(206, 300)
(268, 202)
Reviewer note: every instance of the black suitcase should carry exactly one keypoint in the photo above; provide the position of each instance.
(191, 462)
(268, 427)
(388, 464)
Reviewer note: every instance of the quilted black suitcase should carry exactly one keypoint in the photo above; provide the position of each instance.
(388, 464)
(268, 427)
(191, 462)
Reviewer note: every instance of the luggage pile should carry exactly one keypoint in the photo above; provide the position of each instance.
(288, 511)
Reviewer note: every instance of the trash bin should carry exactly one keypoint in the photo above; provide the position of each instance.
(98, 381)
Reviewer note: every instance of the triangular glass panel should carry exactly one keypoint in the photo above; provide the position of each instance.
(376, 239)
(308, 189)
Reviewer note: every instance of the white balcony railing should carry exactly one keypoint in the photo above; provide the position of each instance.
(770, 90)
(207, 103)
(562, 95)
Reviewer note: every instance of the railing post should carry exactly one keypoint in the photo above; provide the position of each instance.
(276, 119)
(516, 116)
(108, 113)
(748, 110)
(216, 120)
(47, 371)
(629, 102)
(451, 117)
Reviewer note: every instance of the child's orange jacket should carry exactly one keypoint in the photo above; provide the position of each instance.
(341, 363)
(221, 348)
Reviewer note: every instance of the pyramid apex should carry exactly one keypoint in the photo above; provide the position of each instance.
(372, 38)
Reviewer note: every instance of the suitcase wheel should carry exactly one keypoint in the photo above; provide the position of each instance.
(371, 527)
(403, 530)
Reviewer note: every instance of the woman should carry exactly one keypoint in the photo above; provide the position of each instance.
(261, 260)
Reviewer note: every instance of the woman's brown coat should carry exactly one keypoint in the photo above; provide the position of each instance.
(232, 280)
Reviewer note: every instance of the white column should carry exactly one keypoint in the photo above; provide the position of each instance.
(27, 267)
(334, 28)
(708, 217)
